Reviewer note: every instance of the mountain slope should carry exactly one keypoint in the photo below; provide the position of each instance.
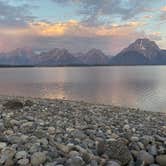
(141, 52)
(57, 57)
(94, 57)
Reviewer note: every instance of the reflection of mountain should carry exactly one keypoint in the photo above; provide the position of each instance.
(141, 52)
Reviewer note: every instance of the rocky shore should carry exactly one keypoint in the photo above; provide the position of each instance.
(40, 132)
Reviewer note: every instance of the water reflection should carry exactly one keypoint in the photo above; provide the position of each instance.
(142, 87)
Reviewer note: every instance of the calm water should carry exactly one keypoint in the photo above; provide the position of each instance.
(143, 87)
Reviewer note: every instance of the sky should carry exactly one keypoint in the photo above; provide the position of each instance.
(80, 25)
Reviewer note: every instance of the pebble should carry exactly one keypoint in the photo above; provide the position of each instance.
(161, 160)
(36, 132)
(145, 157)
(38, 158)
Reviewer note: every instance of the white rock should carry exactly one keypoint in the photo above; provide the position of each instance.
(2, 145)
(51, 130)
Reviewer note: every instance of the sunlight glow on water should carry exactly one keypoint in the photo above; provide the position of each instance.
(137, 86)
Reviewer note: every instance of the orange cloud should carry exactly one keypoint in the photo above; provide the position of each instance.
(163, 9)
(74, 28)
(53, 29)
(72, 31)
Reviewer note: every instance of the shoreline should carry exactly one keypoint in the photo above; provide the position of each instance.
(37, 131)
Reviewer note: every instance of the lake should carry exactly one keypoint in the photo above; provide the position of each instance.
(141, 87)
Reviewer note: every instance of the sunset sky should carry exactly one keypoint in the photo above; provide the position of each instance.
(80, 25)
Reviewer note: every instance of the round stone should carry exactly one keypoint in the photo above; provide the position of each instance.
(23, 162)
(145, 157)
(75, 161)
(21, 155)
(51, 130)
(38, 158)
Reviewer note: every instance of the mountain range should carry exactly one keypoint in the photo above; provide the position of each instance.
(141, 52)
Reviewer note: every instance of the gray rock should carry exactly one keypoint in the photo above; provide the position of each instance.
(75, 161)
(161, 160)
(13, 104)
(2, 145)
(93, 163)
(152, 149)
(21, 155)
(134, 139)
(113, 163)
(8, 152)
(145, 157)
(100, 147)
(38, 158)
(23, 162)
(117, 150)
(147, 139)
(2, 127)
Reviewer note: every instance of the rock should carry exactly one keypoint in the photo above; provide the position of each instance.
(93, 163)
(3, 158)
(147, 139)
(43, 142)
(117, 150)
(2, 127)
(152, 149)
(126, 127)
(13, 104)
(27, 124)
(2, 145)
(100, 147)
(145, 157)
(8, 132)
(35, 148)
(51, 130)
(21, 155)
(87, 157)
(9, 162)
(134, 139)
(75, 161)
(73, 154)
(113, 163)
(38, 158)
(161, 160)
(9, 152)
(78, 134)
(23, 162)
(14, 139)
(63, 148)
(14, 122)
(28, 103)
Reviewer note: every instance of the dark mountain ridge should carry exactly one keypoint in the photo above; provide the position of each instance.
(140, 52)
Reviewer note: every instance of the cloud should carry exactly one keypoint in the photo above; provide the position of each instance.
(18, 27)
(96, 12)
(72, 35)
(75, 28)
(163, 9)
(14, 16)
(163, 13)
